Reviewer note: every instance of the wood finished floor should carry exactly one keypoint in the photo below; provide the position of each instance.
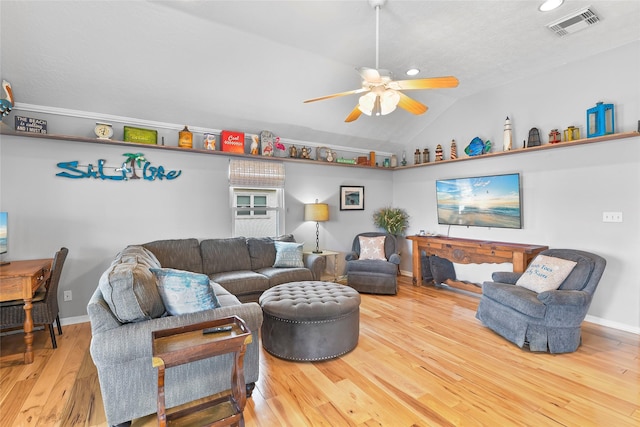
(422, 360)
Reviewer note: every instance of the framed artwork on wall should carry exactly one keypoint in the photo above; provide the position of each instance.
(351, 198)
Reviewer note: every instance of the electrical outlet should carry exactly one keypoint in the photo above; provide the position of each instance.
(68, 296)
(611, 216)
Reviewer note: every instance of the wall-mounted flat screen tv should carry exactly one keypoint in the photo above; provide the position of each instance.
(481, 201)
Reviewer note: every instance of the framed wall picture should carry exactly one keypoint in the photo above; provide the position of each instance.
(351, 198)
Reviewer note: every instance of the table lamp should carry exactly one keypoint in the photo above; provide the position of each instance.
(318, 212)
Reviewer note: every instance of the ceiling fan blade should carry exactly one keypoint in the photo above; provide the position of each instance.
(428, 83)
(353, 115)
(335, 95)
(411, 105)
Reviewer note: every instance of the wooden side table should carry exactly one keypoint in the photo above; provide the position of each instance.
(325, 253)
(177, 346)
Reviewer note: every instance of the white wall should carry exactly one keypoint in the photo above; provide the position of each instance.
(565, 190)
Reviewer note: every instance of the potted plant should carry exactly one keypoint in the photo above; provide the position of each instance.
(393, 220)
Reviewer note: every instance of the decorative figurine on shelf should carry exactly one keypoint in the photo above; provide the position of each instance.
(454, 150)
(254, 145)
(571, 133)
(600, 120)
(293, 152)
(416, 157)
(477, 147)
(534, 138)
(185, 138)
(280, 149)
(330, 155)
(305, 153)
(507, 136)
(209, 142)
(554, 136)
(6, 104)
(439, 153)
(425, 156)
(404, 154)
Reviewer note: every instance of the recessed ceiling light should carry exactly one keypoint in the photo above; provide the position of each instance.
(412, 71)
(549, 5)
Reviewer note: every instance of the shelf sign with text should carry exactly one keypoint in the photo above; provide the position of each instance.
(135, 166)
(31, 125)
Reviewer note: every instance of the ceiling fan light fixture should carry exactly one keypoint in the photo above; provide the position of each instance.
(550, 5)
(367, 102)
(388, 101)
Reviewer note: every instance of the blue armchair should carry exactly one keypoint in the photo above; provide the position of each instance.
(548, 320)
(374, 276)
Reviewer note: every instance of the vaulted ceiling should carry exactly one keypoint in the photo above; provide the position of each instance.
(248, 65)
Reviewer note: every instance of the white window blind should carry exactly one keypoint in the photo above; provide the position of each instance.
(256, 174)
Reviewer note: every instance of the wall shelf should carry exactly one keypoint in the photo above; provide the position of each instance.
(577, 142)
(604, 138)
(176, 148)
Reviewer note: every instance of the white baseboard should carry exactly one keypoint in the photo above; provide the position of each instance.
(73, 320)
(612, 324)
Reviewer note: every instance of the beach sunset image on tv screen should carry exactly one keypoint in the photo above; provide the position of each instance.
(3, 232)
(484, 201)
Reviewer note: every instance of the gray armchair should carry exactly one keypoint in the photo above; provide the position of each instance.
(547, 320)
(374, 276)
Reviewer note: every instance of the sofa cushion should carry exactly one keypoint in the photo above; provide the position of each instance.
(241, 282)
(288, 254)
(262, 250)
(278, 275)
(372, 248)
(545, 273)
(221, 255)
(130, 289)
(185, 292)
(181, 254)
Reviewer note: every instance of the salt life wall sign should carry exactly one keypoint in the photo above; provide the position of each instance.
(135, 166)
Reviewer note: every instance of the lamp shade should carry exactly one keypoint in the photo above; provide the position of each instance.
(318, 212)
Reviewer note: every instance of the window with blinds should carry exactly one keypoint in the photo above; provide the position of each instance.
(257, 197)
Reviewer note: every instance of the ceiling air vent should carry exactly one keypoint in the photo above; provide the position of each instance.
(574, 22)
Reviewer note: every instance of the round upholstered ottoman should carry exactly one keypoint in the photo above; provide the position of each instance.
(307, 321)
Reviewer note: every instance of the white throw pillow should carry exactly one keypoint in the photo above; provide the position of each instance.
(288, 255)
(372, 247)
(545, 273)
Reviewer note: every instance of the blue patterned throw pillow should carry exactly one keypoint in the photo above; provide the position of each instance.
(288, 254)
(184, 292)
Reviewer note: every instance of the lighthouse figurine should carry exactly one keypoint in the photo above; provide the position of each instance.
(508, 135)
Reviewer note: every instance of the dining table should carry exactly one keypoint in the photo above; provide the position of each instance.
(19, 280)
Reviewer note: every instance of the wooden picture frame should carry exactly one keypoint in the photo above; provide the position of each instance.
(351, 198)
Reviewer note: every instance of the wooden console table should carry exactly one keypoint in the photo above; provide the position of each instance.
(469, 251)
(186, 344)
(20, 280)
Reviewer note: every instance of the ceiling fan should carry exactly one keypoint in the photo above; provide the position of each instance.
(382, 94)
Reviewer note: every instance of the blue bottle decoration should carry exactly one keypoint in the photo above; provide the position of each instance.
(600, 120)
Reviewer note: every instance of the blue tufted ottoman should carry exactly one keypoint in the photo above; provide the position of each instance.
(309, 321)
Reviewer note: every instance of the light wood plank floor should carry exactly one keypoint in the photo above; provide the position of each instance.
(422, 360)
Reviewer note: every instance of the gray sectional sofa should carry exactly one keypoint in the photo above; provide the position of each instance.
(126, 307)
